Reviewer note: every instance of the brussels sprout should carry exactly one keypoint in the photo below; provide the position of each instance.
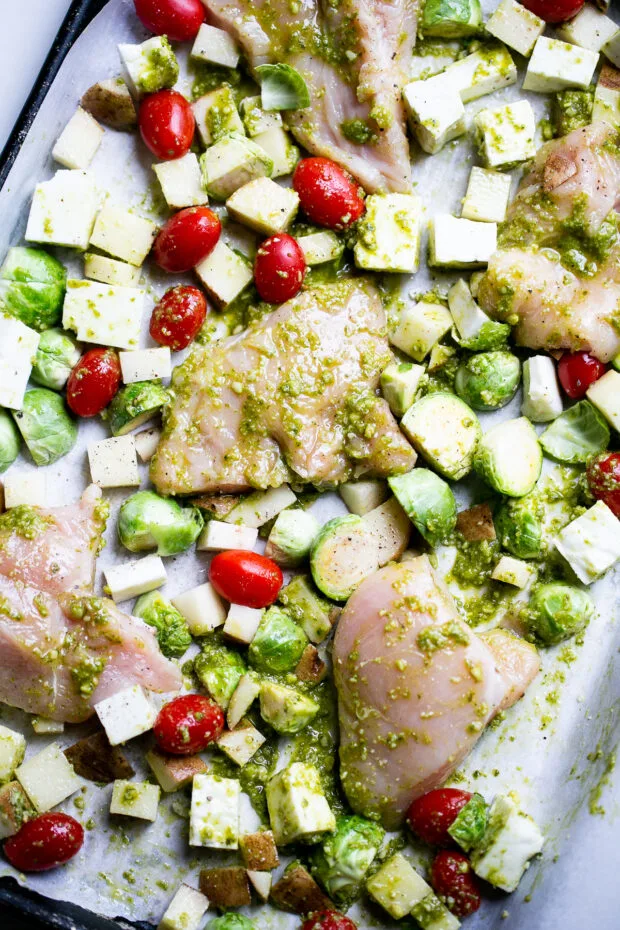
(451, 19)
(341, 862)
(46, 425)
(219, 670)
(291, 537)
(10, 440)
(278, 644)
(471, 822)
(509, 457)
(56, 356)
(32, 287)
(135, 404)
(428, 502)
(282, 88)
(173, 634)
(488, 380)
(148, 521)
(285, 709)
(519, 528)
(231, 921)
(576, 435)
(314, 613)
(557, 611)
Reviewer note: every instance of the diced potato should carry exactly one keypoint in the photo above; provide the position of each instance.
(589, 29)
(391, 527)
(42, 726)
(216, 47)
(214, 816)
(419, 326)
(476, 523)
(137, 799)
(255, 119)
(311, 667)
(297, 806)
(130, 579)
(435, 111)
(231, 162)
(261, 882)
(217, 536)
(105, 314)
(226, 887)
(95, 759)
(123, 234)
(63, 210)
(260, 507)
(242, 623)
(483, 72)
(264, 206)
(181, 182)
(397, 887)
(15, 809)
(605, 395)
(506, 134)
(79, 141)
(110, 103)
(244, 695)
(389, 233)
(147, 442)
(18, 348)
(25, 487)
(110, 271)
(113, 462)
(321, 247)
(126, 714)
(277, 145)
(513, 24)
(12, 750)
(224, 273)
(48, 778)
(241, 743)
(202, 607)
(216, 115)
(259, 851)
(487, 196)
(459, 243)
(591, 543)
(149, 66)
(174, 772)
(607, 96)
(298, 892)
(185, 911)
(363, 496)
(555, 65)
(146, 364)
(512, 571)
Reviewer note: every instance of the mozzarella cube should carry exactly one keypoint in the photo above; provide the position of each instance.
(261, 882)
(123, 235)
(216, 115)
(297, 806)
(113, 462)
(150, 66)
(241, 744)
(243, 697)
(78, 142)
(18, 348)
(517, 27)
(216, 47)
(126, 714)
(181, 182)
(277, 145)
(510, 840)
(606, 104)
(481, 73)
(589, 29)
(436, 112)
(43, 727)
(605, 395)
(397, 887)
(218, 535)
(460, 243)
(25, 487)
(591, 543)
(202, 607)
(48, 778)
(255, 119)
(231, 162)
(487, 196)
(512, 571)
(505, 134)
(542, 400)
(185, 911)
(214, 815)
(63, 210)
(242, 623)
(389, 233)
(12, 749)
(260, 507)
(555, 65)
(146, 443)
(264, 206)
(137, 799)
(131, 579)
(417, 328)
(146, 364)
(321, 247)
(611, 49)
(224, 274)
(110, 271)
(103, 313)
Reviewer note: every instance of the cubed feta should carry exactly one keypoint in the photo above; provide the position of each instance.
(418, 327)
(25, 487)
(123, 234)
(242, 743)
(113, 462)
(202, 607)
(224, 273)
(591, 543)
(185, 911)
(181, 182)
(137, 799)
(126, 714)
(150, 66)
(78, 142)
(48, 778)
(63, 210)
(517, 27)
(264, 206)
(460, 243)
(214, 815)
(12, 749)
(146, 364)
(216, 47)
(244, 695)
(242, 623)
(483, 72)
(255, 119)
(435, 111)
(130, 579)
(542, 400)
(509, 842)
(277, 145)
(231, 162)
(297, 806)
(397, 887)
(512, 571)
(389, 233)
(216, 115)
(103, 313)
(606, 104)
(321, 247)
(589, 29)
(147, 442)
(505, 134)
(555, 65)
(260, 507)
(487, 196)
(110, 271)
(18, 348)
(605, 395)
(218, 535)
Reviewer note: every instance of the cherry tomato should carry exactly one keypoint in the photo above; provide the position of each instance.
(245, 578)
(167, 124)
(603, 475)
(93, 382)
(430, 816)
(188, 724)
(177, 318)
(47, 841)
(453, 879)
(180, 20)
(577, 371)
(187, 237)
(329, 196)
(279, 269)
(328, 920)
(554, 11)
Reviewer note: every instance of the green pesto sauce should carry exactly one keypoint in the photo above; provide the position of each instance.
(433, 637)
(358, 131)
(571, 109)
(474, 561)
(24, 521)
(254, 775)
(483, 607)
(594, 799)
(207, 77)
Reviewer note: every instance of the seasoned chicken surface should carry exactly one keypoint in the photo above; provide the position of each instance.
(556, 275)
(355, 57)
(292, 397)
(416, 687)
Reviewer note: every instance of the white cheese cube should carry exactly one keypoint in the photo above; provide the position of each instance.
(481, 73)
(589, 29)
(397, 887)
(214, 815)
(110, 271)
(389, 233)
(505, 134)
(78, 142)
(63, 210)
(113, 462)
(18, 348)
(591, 543)
(43, 727)
(12, 749)
(147, 442)
(231, 162)
(25, 487)
(417, 328)
(242, 623)
(137, 799)
(216, 47)
(185, 911)
(181, 182)
(123, 234)
(131, 579)
(297, 806)
(202, 607)
(512, 571)
(104, 314)
(277, 145)
(542, 400)
(146, 364)
(264, 206)
(611, 49)
(435, 111)
(218, 535)
(255, 119)
(261, 882)
(242, 699)
(460, 243)
(48, 778)
(261, 506)
(224, 274)
(321, 247)
(517, 27)
(487, 196)
(606, 104)
(241, 744)
(510, 840)
(126, 714)
(150, 66)
(555, 65)
(363, 496)
(605, 395)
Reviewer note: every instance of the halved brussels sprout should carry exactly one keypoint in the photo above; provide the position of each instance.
(56, 355)
(10, 440)
(135, 404)
(231, 921)
(451, 19)
(489, 380)
(428, 501)
(519, 528)
(173, 634)
(509, 457)
(557, 611)
(32, 287)
(278, 644)
(341, 862)
(470, 824)
(577, 434)
(219, 670)
(48, 429)
(148, 521)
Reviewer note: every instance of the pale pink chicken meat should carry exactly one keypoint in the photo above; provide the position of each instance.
(416, 687)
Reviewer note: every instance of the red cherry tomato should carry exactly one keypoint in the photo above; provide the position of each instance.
(180, 20)
(188, 724)
(329, 196)
(577, 371)
(47, 841)
(177, 318)
(554, 11)
(328, 920)
(93, 382)
(453, 879)
(279, 269)
(430, 816)
(166, 124)
(603, 475)
(187, 237)
(245, 578)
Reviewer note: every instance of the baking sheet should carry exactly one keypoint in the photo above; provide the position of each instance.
(554, 747)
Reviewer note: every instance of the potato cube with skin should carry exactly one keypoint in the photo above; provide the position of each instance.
(255, 119)
(104, 314)
(397, 887)
(12, 750)
(218, 536)
(606, 104)
(18, 348)
(487, 196)
(389, 233)
(512, 571)
(48, 778)
(25, 487)
(185, 911)
(15, 809)
(214, 815)
(79, 141)
(298, 892)
(242, 623)
(591, 543)
(216, 47)
(459, 243)
(110, 271)
(589, 29)
(277, 145)
(130, 579)
(264, 206)
(146, 364)
(418, 327)
(224, 274)
(126, 714)
(261, 882)
(174, 772)
(555, 65)
(202, 607)
(435, 111)
(513, 24)
(506, 134)
(297, 806)
(110, 103)
(137, 799)
(147, 442)
(123, 234)
(259, 851)
(216, 115)
(226, 887)
(95, 759)
(181, 182)
(241, 743)
(113, 462)
(321, 247)
(476, 524)
(63, 210)
(244, 695)
(605, 395)
(311, 667)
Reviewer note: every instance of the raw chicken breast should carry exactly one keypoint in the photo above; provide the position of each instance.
(416, 687)
(355, 57)
(293, 396)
